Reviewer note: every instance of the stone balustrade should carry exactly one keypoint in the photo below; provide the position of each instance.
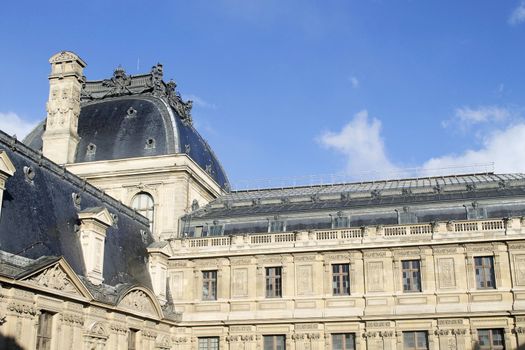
(387, 234)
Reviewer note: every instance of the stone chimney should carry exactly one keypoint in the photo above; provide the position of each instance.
(60, 138)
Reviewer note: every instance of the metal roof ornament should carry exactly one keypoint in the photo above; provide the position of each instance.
(119, 84)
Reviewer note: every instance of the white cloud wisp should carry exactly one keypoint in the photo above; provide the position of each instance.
(518, 15)
(360, 141)
(12, 124)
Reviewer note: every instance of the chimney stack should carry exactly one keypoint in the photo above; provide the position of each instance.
(60, 138)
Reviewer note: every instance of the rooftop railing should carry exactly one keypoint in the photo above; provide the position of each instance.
(423, 231)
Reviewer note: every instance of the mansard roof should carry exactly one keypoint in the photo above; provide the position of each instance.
(40, 217)
(427, 199)
(128, 116)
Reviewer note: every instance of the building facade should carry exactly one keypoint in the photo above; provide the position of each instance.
(119, 230)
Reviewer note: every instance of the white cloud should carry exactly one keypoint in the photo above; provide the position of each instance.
(504, 148)
(361, 143)
(354, 81)
(482, 114)
(12, 124)
(518, 15)
(200, 102)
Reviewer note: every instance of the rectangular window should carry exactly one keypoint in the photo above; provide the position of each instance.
(209, 285)
(215, 230)
(411, 275)
(341, 279)
(340, 222)
(485, 272)
(132, 339)
(274, 342)
(343, 341)
(491, 339)
(273, 282)
(209, 343)
(276, 226)
(45, 331)
(415, 340)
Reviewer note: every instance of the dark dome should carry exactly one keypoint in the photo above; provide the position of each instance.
(141, 122)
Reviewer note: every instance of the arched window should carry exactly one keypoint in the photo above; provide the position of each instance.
(143, 203)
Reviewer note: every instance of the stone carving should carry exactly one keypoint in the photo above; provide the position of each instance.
(72, 319)
(63, 56)
(22, 309)
(240, 338)
(119, 328)
(138, 301)
(306, 326)
(29, 174)
(378, 324)
(55, 278)
(240, 328)
(179, 340)
(163, 342)
(520, 330)
(375, 277)
(149, 334)
(240, 282)
(77, 199)
(450, 322)
(446, 274)
(131, 112)
(118, 84)
(375, 254)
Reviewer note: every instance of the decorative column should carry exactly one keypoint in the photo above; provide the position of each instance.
(60, 138)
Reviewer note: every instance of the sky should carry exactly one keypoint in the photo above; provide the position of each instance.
(296, 91)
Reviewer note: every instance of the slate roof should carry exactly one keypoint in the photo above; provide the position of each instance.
(136, 116)
(364, 203)
(39, 218)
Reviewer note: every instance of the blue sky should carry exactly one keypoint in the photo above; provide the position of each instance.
(287, 89)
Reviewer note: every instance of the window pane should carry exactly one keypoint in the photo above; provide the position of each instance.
(350, 342)
(337, 341)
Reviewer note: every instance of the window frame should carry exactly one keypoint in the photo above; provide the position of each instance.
(132, 338)
(338, 278)
(273, 338)
(416, 340)
(144, 211)
(344, 336)
(208, 345)
(214, 230)
(411, 283)
(209, 283)
(44, 337)
(273, 282)
(491, 345)
(481, 270)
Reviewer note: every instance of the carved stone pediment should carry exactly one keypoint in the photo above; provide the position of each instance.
(60, 277)
(139, 301)
(55, 277)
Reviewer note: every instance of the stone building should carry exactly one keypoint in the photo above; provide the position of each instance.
(119, 230)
